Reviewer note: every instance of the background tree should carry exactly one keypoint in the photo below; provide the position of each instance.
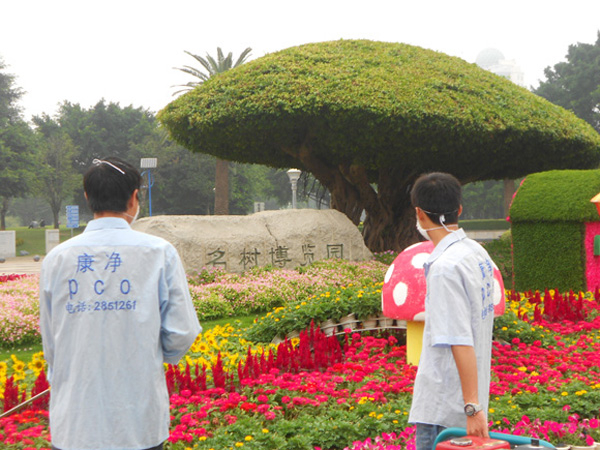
(100, 131)
(575, 84)
(57, 179)
(17, 146)
(483, 200)
(366, 118)
(214, 67)
(184, 181)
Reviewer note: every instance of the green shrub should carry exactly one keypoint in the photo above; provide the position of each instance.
(212, 307)
(548, 255)
(500, 250)
(548, 216)
(333, 304)
(484, 224)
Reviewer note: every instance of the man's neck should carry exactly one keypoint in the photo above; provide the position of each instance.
(104, 214)
(439, 234)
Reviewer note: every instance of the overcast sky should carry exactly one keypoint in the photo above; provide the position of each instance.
(124, 51)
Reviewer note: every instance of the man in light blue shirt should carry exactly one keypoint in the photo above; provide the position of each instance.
(453, 379)
(114, 306)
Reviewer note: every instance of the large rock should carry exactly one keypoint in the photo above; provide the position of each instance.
(288, 238)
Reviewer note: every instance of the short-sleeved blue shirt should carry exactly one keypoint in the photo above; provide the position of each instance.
(114, 306)
(459, 310)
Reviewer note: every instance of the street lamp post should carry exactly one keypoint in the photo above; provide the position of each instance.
(149, 163)
(293, 175)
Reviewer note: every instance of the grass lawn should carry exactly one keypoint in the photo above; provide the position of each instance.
(26, 353)
(33, 240)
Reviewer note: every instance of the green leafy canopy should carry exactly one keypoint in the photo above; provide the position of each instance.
(377, 105)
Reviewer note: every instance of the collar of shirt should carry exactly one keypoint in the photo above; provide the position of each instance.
(439, 249)
(106, 222)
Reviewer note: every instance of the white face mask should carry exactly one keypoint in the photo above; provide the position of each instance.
(424, 232)
(134, 218)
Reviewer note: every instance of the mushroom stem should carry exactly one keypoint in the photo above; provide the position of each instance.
(414, 341)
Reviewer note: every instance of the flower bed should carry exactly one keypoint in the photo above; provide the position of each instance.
(219, 294)
(317, 392)
(216, 294)
(19, 310)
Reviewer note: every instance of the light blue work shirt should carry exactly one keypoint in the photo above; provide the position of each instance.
(114, 306)
(459, 310)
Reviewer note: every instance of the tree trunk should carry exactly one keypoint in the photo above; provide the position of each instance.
(222, 187)
(509, 191)
(55, 217)
(390, 218)
(392, 225)
(3, 211)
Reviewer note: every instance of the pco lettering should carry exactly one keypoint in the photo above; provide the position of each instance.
(98, 286)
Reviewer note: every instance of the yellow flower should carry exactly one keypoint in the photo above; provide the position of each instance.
(18, 366)
(564, 394)
(239, 444)
(36, 365)
(492, 410)
(248, 438)
(264, 430)
(202, 438)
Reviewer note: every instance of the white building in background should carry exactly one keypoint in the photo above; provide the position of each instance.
(493, 60)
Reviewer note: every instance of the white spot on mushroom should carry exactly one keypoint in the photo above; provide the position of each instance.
(388, 274)
(419, 259)
(400, 293)
(497, 292)
(419, 317)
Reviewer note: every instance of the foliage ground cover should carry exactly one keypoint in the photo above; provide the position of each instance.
(355, 392)
(220, 294)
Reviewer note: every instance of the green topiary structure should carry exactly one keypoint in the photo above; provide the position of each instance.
(553, 226)
(367, 118)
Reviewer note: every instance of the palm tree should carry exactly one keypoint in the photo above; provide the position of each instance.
(214, 67)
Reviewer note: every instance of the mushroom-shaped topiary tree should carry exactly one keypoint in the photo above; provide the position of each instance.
(366, 118)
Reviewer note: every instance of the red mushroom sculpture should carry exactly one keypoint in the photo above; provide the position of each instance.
(404, 290)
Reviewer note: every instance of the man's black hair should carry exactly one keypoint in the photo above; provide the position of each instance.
(437, 193)
(109, 184)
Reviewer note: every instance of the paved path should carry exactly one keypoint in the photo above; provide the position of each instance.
(20, 265)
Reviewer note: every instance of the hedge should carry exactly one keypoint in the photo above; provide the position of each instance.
(548, 255)
(557, 196)
(548, 216)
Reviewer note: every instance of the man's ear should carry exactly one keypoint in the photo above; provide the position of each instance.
(133, 198)
(459, 211)
(421, 215)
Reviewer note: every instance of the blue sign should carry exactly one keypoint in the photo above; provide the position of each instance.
(72, 216)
